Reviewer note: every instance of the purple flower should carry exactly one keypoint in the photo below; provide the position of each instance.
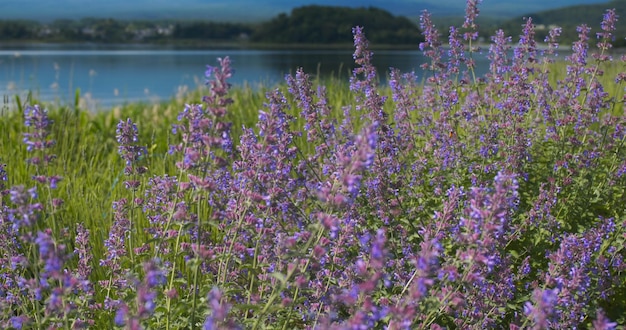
(471, 13)
(25, 211)
(3, 178)
(602, 322)
(209, 71)
(456, 53)
(608, 27)
(499, 64)
(541, 310)
(146, 302)
(154, 275)
(115, 244)
(131, 152)
(431, 34)
(82, 249)
(218, 87)
(37, 118)
(18, 322)
(363, 80)
(121, 315)
(218, 312)
(50, 254)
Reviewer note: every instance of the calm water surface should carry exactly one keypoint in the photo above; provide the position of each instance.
(117, 74)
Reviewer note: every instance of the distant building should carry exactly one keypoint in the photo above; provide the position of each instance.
(165, 31)
(88, 31)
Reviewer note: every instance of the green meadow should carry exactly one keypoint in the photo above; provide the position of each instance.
(432, 203)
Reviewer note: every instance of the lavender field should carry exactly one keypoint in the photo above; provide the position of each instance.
(445, 200)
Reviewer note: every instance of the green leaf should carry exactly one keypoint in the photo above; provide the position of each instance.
(280, 277)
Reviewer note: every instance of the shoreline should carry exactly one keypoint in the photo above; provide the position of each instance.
(238, 45)
(200, 45)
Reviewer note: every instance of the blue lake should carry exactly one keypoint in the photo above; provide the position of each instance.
(111, 75)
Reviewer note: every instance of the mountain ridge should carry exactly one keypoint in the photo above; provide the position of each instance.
(568, 18)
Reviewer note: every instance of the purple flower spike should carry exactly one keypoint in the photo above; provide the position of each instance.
(607, 35)
(602, 322)
(82, 249)
(542, 311)
(121, 315)
(25, 211)
(154, 275)
(218, 315)
(37, 118)
(471, 13)
(37, 140)
(218, 87)
(131, 152)
(3, 178)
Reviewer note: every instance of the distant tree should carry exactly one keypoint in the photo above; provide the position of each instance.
(210, 30)
(66, 29)
(110, 30)
(17, 29)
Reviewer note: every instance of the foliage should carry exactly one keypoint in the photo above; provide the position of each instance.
(210, 30)
(325, 24)
(309, 25)
(463, 202)
(16, 29)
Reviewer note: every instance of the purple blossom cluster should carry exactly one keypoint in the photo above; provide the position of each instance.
(129, 149)
(465, 202)
(37, 118)
(38, 142)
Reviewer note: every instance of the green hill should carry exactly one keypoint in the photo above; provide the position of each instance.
(332, 25)
(569, 18)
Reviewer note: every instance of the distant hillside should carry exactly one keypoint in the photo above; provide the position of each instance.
(569, 18)
(499, 8)
(305, 26)
(331, 25)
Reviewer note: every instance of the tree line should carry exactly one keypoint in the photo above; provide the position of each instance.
(313, 24)
(309, 25)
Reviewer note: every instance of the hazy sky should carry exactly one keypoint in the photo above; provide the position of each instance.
(250, 9)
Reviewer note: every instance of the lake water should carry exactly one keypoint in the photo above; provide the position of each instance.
(111, 75)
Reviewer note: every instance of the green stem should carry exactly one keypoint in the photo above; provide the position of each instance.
(251, 274)
(130, 229)
(224, 265)
(171, 281)
(194, 305)
(290, 273)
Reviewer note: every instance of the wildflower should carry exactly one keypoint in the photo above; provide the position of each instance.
(131, 152)
(18, 322)
(49, 253)
(3, 178)
(608, 28)
(25, 211)
(218, 87)
(602, 322)
(83, 252)
(218, 315)
(121, 314)
(37, 118)
(471, 13)
(542, 311)
(154, 275)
